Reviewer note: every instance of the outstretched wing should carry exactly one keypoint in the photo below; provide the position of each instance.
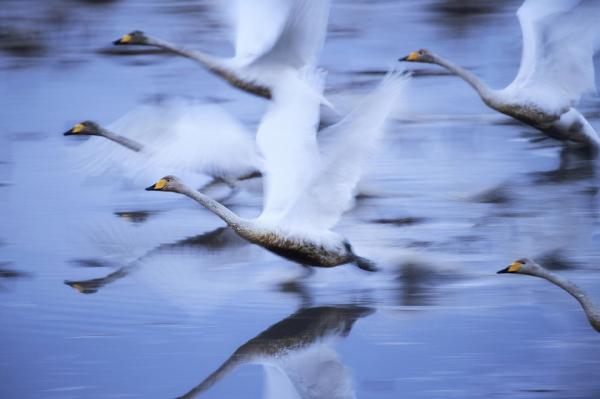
(287, 141)
(177, 136)
(560, 38)
(309, 373)
(279, 32)
(344, 150)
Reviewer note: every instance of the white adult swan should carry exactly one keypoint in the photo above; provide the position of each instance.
(527, 266)
(272, 37)
(175, 135)
(307, 184)
(560, 38)
(297, 355)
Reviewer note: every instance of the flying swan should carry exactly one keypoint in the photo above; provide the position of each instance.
(176, 135)
(308, 183)
(560, 38)
(272, 37)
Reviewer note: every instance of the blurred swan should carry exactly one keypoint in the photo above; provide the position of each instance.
(308, 183)
(560, 38)
(189, 137)
(272, 37)
(527, 266)
(218, 239)
(297, 355)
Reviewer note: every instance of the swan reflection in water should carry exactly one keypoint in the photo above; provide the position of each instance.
(297, 355)
(217, 239)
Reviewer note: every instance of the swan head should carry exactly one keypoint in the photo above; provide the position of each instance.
(421, 55)
(86, 128)
(135, 37)
(522, 266)
(167, 183)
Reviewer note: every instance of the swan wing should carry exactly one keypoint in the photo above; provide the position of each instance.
(309, 373)
(279, 32)
(344, 149)
(560, 38)
(177, 136)
(287, 141)
(206, 138)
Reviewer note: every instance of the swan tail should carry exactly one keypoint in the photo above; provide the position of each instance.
(365, 264)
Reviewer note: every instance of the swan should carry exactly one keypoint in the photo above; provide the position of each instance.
(296, 353)
(272, 37)
(527, 266)
(200, 138)
(559, 41)
(307, 184)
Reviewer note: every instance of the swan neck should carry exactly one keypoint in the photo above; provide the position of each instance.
(218, 66)
(206, 60)
(483, 89)
(591, 310)
(214, 377)
(124, 141)
(215, 207)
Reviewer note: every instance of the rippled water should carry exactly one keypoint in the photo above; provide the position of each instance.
(109, 291)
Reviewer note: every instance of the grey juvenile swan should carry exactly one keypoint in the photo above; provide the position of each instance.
(175, 135)
(271, 38)
(308, 183)
(529, 267)
(560, 39)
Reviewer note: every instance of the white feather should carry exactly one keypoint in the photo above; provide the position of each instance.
(279, 33)
(309, 183)
(560, 38)
(178, 136)
(312, 372)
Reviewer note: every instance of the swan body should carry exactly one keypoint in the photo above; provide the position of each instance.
(559, 41)
(297, 354)
(327, 250)
(529, 267)
(308, 183)
(188, 137)
(272, 38)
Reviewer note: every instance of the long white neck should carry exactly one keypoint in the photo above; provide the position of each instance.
(124, 141)
(482, 89)
(215, 207)
(591, 310)
(215, 377)
(216, 65)
(212, 63)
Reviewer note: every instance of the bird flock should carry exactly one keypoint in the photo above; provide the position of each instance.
(309, 172)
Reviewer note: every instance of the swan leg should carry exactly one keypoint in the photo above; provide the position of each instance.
(308, 271)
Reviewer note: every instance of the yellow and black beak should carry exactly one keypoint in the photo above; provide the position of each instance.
(512, 268)
(125, 39)
(81, 288)
(158, 186)
(78, 128)
(414, 56)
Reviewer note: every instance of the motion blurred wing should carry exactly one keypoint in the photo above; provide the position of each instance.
(287, 141)
(344, 149)
(560, 38)
(177, 137)
(311, 373)
(279, 32)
